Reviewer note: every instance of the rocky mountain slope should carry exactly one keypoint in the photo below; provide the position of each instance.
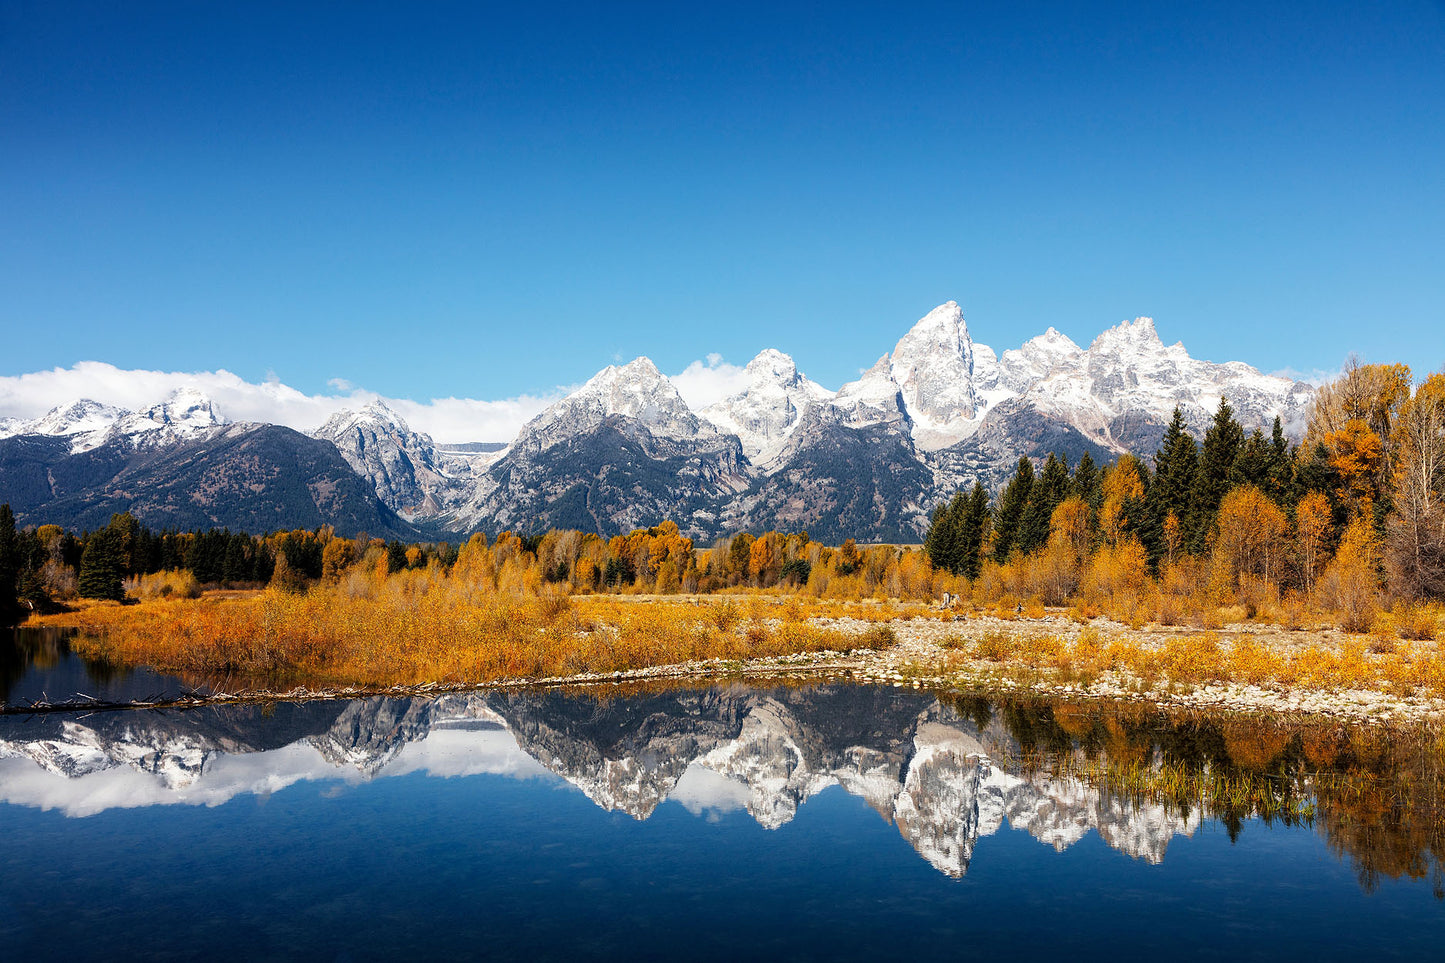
(869, 461)
(179, 464)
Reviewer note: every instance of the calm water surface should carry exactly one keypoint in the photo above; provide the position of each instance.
(826, 822)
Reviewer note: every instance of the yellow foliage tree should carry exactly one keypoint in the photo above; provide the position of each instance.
(1252, 535)
(1416, 545)
(1313, 525)
(1352, 582)
(1122, 484)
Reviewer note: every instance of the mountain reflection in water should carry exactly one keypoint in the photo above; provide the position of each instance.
(946, 772)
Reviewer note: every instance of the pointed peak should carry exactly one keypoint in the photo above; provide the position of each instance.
(1053, 341)
(770, 357)
(943, 322)
(641, 364)
(639, 369)
(772, 365)
(880, 369)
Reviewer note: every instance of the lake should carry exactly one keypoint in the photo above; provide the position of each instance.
(814, 822)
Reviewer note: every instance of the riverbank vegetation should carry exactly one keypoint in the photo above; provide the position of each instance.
(1344, 532)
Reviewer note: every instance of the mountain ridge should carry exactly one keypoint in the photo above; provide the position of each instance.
(937, 412)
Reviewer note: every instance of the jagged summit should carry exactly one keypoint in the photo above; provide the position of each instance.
(410, 474)
(933, 366)
(636, 390)
(183, 414)
(872, 399)
(375, 412)
(78, 417)
(769, 410)
(1139, 331)
(937, 412)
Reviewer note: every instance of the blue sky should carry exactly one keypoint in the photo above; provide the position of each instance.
(489, 201)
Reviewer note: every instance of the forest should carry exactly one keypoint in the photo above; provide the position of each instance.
(1348, 521)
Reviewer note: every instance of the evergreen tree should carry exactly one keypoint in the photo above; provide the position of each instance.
(1253, 463)
(102, 566)
(1281, 467)
(237, 566)
(395, 556)
(1087, 482)
(126, 530)
(1211, 479)
(1140, 520)
(9, 566)
(943, 542)
(263, 564)
(1175, 466)
(974, 532)
(1010, 509)
(1051, 488)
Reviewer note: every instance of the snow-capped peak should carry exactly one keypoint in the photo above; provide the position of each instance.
(78, 417)
(184, 414)
(766, 413)
(933, 366)
(1136, 334)
(772, 364)
(1037, 358)
(873, 398)
(185, 408)
(89, 424)
(374, 413)
(636, 390)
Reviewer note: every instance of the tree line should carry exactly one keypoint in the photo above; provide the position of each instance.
(1361, 500)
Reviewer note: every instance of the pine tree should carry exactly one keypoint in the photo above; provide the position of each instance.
(974, 532)
(9, 566)
(1051, 488)
(944, 543)
(1175, 466)
(1010, 510)
(1211, 480)
(1086, 481)
(1281, 467)
(1253, 463)
(101, 566)
(237, 567)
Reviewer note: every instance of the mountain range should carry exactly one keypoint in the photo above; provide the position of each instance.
(624, 450)
(943, 779)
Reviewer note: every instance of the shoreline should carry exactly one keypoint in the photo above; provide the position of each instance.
(904, 665)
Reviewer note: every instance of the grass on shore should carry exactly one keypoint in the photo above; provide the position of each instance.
(417, 626)
(1401, 668)
(410, 629)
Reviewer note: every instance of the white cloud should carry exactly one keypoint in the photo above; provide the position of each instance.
(704, 382)
(702, 791)
(1315, 377)
(442, 754)
(445, 419)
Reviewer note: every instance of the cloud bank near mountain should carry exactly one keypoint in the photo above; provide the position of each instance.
(447, 420)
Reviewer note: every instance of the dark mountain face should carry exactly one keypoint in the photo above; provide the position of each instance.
(255, 478)
(611, 479)
(840, 482)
